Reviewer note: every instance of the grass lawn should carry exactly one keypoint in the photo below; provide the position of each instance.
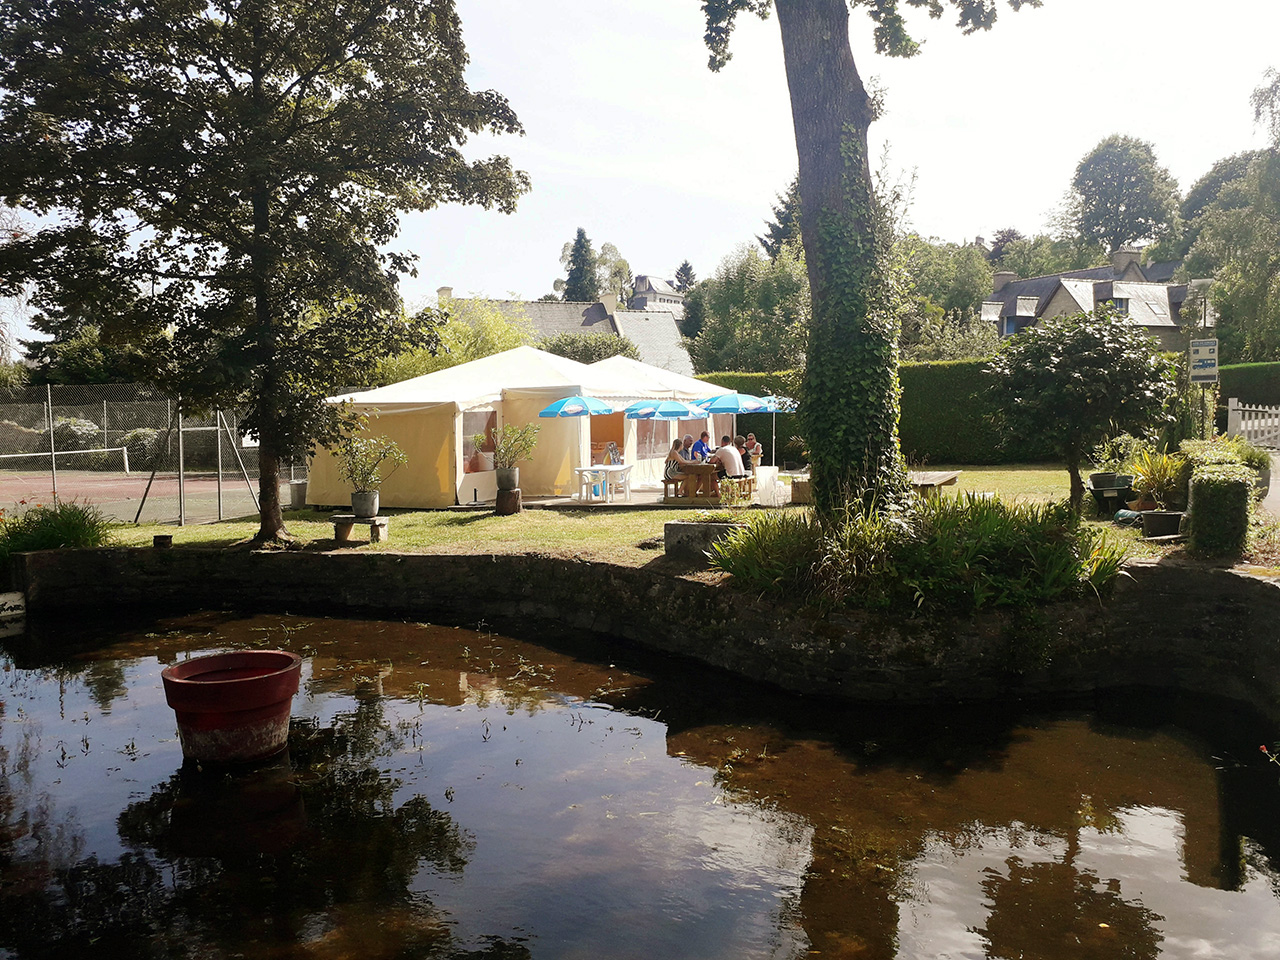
(630, 538)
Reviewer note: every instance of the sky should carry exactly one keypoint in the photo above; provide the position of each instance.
(631, 137)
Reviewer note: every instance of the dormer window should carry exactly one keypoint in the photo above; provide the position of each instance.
(1119, 304)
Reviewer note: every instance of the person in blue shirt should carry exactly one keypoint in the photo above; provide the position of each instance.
(702, 449)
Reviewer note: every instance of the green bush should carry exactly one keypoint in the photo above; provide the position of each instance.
(1219, 524)
(67, 525)
(943, 554)
(73, 433)
(589, 347)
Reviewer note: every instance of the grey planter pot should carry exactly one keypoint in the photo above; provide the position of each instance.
(364, 503)
(508, 478)
(1161, 523)
(682, 538)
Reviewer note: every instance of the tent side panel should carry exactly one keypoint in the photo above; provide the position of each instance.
(427, 480)
(426, 437)
(550, 472)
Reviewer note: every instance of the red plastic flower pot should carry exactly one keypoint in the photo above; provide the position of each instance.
(233, 707)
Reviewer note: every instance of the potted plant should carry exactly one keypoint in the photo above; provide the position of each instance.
(511, 444)
(1160, 480)
(363, 462)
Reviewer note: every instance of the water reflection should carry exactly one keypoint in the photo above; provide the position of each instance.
(449, 792)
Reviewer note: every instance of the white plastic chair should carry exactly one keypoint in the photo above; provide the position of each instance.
(620, 479)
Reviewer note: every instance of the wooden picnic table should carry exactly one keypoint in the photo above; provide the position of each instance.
(929, 481)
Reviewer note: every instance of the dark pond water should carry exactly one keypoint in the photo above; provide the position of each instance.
(450, 793)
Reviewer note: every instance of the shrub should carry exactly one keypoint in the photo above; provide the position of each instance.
(944, 553)
(1219, 525)
(67, 525)
(73, 433)
(141, 442)
(589, 347)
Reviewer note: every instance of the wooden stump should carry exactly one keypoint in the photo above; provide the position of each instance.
(508, 502)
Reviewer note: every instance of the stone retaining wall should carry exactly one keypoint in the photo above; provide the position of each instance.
(1171, 625)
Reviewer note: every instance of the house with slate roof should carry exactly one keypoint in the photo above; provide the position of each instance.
(653, 331)
(1144, 294)
(653, 293)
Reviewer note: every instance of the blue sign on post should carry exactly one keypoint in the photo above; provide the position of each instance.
(1204, 361)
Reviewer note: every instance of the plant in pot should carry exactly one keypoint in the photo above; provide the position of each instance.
(365, 463)
(1160, 480)
(511, 444)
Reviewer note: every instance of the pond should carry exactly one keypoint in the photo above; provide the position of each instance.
(455, 793)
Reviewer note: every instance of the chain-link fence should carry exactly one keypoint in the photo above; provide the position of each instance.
(129, 451)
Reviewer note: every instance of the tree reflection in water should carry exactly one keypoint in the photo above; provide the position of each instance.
(1025, 822)
(307, 855)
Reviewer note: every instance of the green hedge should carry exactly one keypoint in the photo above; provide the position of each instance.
(1218, 524)
(945, 414)
(946, 417)
(1251, 383)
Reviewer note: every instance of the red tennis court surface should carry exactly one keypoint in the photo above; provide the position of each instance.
(118, 495)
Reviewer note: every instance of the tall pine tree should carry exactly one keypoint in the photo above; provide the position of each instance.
(582, 285)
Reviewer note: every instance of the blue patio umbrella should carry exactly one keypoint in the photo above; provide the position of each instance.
(576, 407)
(777, 405)
(664, 410)
(733, 403)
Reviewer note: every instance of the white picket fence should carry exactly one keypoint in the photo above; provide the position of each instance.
(1259, 425)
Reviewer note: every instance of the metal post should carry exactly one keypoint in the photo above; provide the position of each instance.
(245, 473)
(1233, 417)
(182, 473)
(105, 438)
(53, 448)
(217, 439)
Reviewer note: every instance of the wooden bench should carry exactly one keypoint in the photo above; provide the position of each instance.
(741, 486)
(928, 482)
(379, 527)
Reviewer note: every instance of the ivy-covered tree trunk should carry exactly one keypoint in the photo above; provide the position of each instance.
(851, 387)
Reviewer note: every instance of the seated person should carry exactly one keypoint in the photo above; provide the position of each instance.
(686, 448)
(671, 467)
(740, 442)
(754, 448)
(702, 449)
(728, 459)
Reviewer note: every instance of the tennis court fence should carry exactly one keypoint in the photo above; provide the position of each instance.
(129, 450)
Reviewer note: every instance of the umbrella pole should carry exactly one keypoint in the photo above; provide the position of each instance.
(773, 456)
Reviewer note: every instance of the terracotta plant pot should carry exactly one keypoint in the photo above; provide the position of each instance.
(364, 503)
(233, 707)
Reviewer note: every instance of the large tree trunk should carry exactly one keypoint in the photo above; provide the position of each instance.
(851, 389)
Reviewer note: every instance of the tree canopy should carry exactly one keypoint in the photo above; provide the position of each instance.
(589, 347)
(851, 386)
(474, 328)
(1236, 240)
(1077, 380)
(1121, 194)
(218, 184)
(785, 224)
(754, 312)
(685, 277)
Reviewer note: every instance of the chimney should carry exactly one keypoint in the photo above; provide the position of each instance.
(1001, 279)
(1124, 258)
(444, 293)
(610, 301)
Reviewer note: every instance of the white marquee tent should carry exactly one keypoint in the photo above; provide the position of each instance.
(434, 417)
